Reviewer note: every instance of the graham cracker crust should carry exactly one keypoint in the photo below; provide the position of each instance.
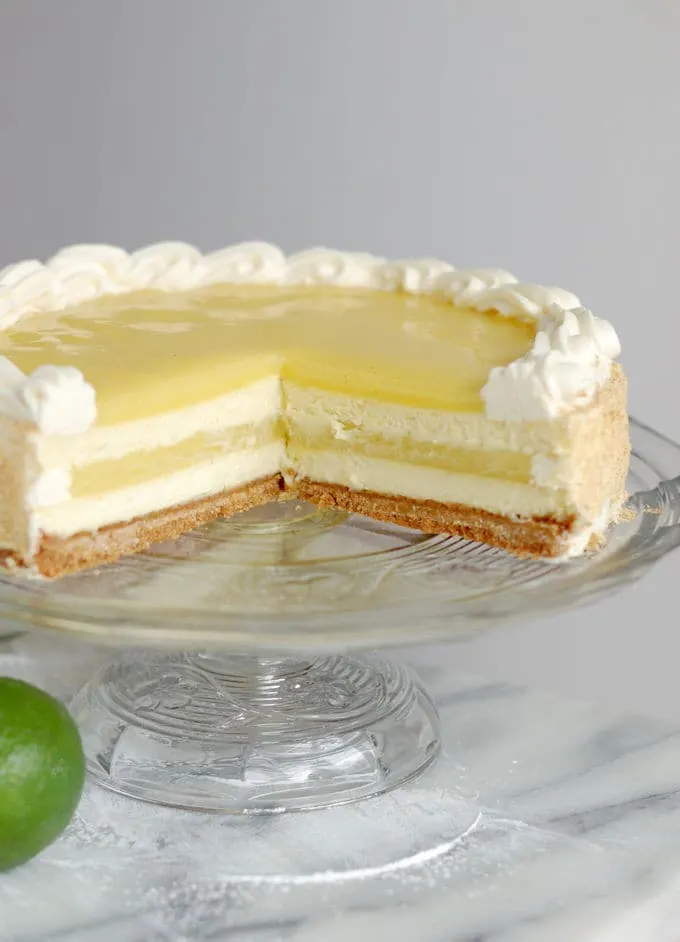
(61, 556)
(535, 537)
(58, 556)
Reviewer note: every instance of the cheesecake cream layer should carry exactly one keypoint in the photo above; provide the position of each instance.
(139, 468)
(397, 478)
(310, 418)
(268, 412)
(204, 479)
(572, 468)
(249, 406)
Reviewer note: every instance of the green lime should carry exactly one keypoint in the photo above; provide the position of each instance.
(42, 770)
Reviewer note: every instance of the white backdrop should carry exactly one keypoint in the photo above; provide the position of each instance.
(537, 135)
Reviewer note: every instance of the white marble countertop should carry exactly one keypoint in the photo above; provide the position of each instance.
(545, 819)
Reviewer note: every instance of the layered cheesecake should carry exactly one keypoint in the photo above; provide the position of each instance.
(145, 394)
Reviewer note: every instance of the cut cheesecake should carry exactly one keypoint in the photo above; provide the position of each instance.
(143, 395)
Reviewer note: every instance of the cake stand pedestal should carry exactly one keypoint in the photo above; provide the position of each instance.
(251, 734)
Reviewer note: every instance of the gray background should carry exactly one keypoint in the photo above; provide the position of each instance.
(537, 135)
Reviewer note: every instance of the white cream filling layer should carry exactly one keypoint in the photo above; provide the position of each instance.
(223, 473)
(307, 413)
(350, 419)
(249, 405)
(400, 479)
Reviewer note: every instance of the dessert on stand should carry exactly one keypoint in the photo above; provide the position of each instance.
(240, 678)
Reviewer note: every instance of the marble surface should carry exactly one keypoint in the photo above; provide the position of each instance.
(545, 819)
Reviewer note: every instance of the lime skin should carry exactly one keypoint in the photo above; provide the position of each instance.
(42, 770)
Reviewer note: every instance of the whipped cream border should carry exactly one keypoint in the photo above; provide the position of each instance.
(570, 360)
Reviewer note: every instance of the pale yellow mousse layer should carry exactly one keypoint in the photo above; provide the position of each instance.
(151, 352)
(140, 466)
(131, 469)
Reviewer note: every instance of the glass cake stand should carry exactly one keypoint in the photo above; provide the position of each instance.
(245, 685)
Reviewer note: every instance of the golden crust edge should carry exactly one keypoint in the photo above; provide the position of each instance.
(59, 556)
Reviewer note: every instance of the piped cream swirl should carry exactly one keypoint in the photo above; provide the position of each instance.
(570, 360)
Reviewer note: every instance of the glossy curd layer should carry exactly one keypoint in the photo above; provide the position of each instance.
(152, 352)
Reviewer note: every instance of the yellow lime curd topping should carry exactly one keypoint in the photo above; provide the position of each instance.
(152, 352)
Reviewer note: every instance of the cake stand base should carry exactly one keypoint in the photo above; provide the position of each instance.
(248, 735)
